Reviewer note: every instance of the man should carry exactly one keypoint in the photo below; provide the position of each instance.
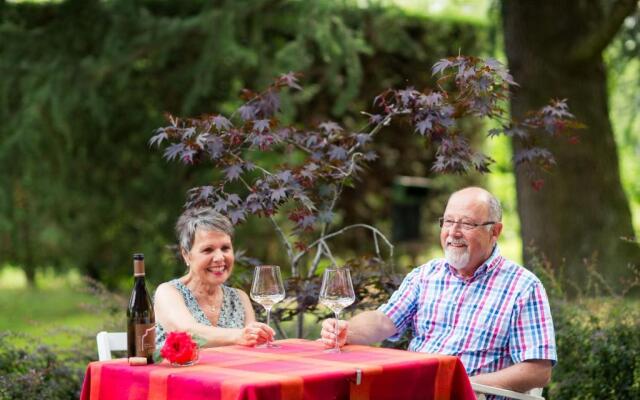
(475, 304)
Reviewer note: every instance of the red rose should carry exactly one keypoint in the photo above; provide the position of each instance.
(179, 348)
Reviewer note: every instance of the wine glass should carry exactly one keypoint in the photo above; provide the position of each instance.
(267, 289)
(336, 293)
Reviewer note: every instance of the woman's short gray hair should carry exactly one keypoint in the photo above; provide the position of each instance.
(205, 218)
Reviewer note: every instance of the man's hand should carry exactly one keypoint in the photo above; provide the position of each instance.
(328, 334)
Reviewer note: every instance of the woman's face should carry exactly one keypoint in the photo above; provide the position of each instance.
(211, 257)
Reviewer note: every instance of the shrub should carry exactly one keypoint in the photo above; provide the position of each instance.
(36, 372)
(599, 355)
(596, 336)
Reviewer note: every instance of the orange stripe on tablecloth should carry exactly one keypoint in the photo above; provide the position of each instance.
(94, 393)
(158, 383)
(291, 387)
(363, 390)
(444, 378)
(96, 372)
(158, 378)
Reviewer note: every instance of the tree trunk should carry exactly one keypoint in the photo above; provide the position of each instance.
(582, 210)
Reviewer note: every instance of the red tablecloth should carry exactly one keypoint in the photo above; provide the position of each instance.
(298, 370)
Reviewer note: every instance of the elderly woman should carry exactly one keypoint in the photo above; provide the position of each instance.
(199, 302)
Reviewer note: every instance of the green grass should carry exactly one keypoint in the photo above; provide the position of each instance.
(56, 312)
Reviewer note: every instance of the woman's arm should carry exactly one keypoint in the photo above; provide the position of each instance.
(249, 314)
(172, 313)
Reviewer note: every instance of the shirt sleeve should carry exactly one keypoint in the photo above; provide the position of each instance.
(403, 303)
(532, 334)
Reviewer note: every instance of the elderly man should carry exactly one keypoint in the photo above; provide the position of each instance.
(474, 303)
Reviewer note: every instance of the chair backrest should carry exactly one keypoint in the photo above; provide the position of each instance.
(481, 390)
(110, 341)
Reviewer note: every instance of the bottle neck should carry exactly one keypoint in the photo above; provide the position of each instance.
(138, 268)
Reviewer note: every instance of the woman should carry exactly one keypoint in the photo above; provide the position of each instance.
(199, 302)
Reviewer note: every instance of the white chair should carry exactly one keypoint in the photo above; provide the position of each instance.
(483, 390)
(110, 341)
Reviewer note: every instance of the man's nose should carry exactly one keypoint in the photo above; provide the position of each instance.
(455, 229)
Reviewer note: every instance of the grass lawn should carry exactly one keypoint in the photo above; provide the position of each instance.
(55, 312)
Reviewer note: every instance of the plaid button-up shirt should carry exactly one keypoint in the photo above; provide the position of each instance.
(495, 319)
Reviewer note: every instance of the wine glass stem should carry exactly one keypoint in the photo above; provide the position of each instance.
(268, 320)
(337, 313)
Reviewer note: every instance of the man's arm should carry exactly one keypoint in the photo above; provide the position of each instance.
(519, 377)
(365, 328)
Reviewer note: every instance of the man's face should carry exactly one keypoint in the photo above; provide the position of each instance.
(465, 249)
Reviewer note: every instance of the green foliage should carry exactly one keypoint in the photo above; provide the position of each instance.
(47, 336)
(30, 372)
(599, 355)
(596, 336)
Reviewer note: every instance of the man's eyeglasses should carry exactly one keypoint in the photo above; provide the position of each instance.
(467, 226)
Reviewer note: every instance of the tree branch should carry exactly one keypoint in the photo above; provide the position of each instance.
(600, 37)
(283, 237)
(325, 227)
(322, 241)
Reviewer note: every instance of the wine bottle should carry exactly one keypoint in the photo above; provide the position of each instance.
(141, 335)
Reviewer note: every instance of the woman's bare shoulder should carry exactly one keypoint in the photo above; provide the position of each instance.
(166, 289)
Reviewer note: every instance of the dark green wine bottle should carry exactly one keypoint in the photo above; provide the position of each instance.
(141, 334)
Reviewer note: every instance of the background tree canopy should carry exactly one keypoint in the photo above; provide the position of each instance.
(86, 82)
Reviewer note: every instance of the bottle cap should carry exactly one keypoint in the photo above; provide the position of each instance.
(138, 256)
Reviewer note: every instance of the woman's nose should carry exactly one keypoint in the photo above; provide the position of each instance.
(217, 255)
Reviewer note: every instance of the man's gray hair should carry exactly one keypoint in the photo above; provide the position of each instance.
(204, 218)
(495, 208)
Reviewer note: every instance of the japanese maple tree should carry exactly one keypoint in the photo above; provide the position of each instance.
(318, 162)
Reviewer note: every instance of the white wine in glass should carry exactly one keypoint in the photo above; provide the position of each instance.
(336, 293)
(267, 289)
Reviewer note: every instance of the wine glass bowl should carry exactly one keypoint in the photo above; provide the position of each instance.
(336, 293)
(267, 289)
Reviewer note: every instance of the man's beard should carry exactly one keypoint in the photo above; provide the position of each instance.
(458, 258)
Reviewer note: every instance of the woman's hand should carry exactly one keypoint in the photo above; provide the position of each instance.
(255, 333)
(328, 334)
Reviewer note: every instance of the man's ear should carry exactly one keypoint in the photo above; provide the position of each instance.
(496, 230)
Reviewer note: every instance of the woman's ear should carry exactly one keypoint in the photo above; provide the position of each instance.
(185, 256)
